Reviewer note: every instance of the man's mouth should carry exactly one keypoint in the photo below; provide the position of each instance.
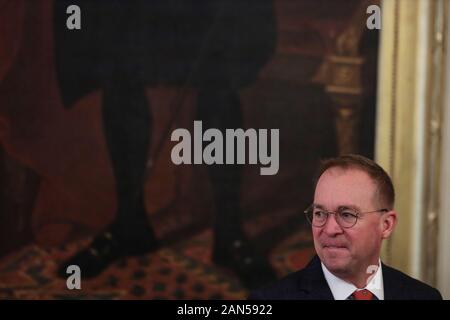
(332, 246)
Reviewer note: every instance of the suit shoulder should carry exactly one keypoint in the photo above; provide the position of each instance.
(414, 288)
(285, 288)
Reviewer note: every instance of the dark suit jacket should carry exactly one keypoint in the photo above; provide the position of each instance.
(310, 284)
(204, 42)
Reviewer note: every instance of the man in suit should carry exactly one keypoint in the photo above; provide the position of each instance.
(352, 213)
(126, 47)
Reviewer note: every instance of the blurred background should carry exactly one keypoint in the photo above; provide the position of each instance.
(312, 69)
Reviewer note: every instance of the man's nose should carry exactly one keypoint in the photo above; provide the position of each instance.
(332, 227)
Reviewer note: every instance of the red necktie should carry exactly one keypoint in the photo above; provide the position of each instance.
(362, 295)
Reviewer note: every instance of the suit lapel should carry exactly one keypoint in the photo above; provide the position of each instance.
(393, 288)
(313, 285)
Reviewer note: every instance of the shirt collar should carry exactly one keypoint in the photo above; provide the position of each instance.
(341, 289)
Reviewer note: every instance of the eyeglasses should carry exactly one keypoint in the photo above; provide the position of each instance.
(345, 217)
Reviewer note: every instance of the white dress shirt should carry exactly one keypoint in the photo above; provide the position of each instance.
(341, 289)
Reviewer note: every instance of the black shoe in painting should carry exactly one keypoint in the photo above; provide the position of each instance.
(107, 248)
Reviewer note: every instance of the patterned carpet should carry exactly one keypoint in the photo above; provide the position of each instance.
(181, 271)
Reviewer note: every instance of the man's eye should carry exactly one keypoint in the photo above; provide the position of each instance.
(347, 214)
(319, 214)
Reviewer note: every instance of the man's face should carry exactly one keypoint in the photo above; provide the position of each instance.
(349, 251)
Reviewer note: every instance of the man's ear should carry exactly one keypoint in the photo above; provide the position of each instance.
(388, 223)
